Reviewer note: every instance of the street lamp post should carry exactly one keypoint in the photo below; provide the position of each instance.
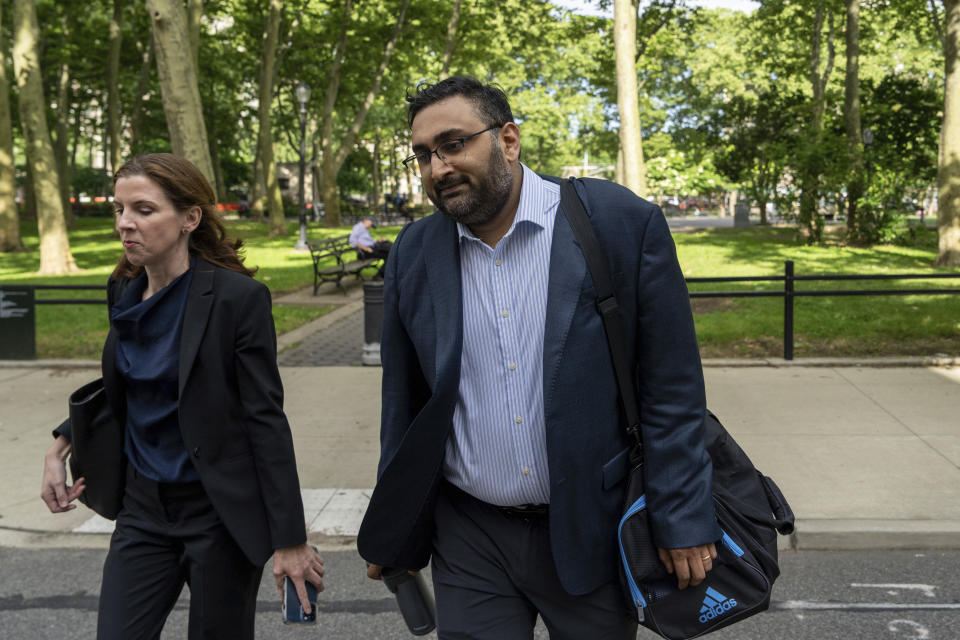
(303, 95)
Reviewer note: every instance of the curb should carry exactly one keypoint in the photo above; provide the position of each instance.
(290, 338)
(874, 534)
(887, 361)
(811, 535)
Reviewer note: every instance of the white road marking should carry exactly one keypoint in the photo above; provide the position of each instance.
(332, 512)
(919, 631)
(805, 605)
(927, 589)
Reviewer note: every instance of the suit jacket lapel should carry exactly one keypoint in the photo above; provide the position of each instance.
(443, 274)
(567, 272)
(195, 316)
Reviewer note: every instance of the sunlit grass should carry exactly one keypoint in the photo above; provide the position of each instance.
(78, 331)
(868, 326)
(823, 326)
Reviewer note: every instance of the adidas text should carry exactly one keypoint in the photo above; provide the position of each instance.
(715, 604)
(718, 610)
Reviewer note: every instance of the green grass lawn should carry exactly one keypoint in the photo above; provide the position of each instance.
(78, 331)
(823, 326)
(848, 326)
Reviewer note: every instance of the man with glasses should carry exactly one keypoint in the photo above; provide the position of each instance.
(503, 452)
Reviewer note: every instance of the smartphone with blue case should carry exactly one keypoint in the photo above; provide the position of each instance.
(292, 609)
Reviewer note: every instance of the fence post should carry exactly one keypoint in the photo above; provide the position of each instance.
(788, 310)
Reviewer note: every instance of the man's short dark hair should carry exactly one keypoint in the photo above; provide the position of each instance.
(489, 100)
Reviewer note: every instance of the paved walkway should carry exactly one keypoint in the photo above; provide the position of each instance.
(338, 345)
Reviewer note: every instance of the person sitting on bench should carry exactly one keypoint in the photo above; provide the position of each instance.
(364, 243)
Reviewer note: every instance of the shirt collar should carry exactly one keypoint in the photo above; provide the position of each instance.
(531, 192)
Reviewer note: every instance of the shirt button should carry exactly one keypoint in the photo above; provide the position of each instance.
(504, 313)
(498, 262)
(196, 452)
(512, 366)
(526, 471)
(518, 419)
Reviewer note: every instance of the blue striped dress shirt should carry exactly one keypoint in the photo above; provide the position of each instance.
(497, 451)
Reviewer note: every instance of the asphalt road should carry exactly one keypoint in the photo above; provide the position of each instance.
(52, 594)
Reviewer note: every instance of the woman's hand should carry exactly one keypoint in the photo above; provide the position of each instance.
(299, 563)
(53, 488)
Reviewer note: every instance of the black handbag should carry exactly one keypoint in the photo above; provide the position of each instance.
(750, 508)
(97, 449)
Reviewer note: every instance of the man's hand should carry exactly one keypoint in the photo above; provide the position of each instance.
(299, 563)
(373, 571)
(53, 487)
(690, 564)
(365, 249)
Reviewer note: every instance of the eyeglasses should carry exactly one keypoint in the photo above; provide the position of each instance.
(447, 151)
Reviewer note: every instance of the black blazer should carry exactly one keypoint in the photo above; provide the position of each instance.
(231, 408)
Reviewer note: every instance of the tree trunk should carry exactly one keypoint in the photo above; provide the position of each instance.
(333, 160)
(451, 42)
(55, 256)
(194, 18)
(315, 177)
(628, 109)
(377, 180)
(810, 217)
(29, 201)
(255, 198)
(9, 217)
(61, 147)
(178, 83)
(948, 179)
(74, 141)
(331, 204)
(220, 188)
(143, 85)
(852, 119)
(113, 97)
(268, 166)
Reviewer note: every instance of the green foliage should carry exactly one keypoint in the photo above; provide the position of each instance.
(724, 94)
(759, 137)
(91, 182)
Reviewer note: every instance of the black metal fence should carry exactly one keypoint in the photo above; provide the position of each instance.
(790, 292)
(70, 287)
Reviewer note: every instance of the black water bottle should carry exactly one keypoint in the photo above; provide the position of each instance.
(415, 601)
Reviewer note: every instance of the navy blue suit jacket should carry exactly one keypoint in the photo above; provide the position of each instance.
(586, 445)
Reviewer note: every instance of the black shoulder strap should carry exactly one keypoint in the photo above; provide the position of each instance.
(576, 214)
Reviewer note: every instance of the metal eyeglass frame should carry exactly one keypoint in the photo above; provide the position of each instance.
(451, 147)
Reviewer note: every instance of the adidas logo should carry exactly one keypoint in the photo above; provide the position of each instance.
(715, 604)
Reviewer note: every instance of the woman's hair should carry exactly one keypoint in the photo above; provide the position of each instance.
(186, 187)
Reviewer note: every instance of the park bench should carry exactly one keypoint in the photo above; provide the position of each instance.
(334, 259)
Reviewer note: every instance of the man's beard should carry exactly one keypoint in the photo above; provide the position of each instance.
(477, 205)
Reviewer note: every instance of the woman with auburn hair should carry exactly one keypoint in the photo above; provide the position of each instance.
(190, 374)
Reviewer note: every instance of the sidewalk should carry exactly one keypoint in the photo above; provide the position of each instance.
(869, 457)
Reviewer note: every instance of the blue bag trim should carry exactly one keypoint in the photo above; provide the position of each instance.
(733, 546)
(639, 602)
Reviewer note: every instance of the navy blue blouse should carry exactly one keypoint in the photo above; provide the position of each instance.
(148, 359)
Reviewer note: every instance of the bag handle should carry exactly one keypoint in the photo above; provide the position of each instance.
(576, 214)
